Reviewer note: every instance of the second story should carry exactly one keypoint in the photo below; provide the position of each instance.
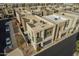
(38, 27)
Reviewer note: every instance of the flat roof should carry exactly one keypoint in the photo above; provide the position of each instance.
(58, 18)
(55, 18)
(37, 23)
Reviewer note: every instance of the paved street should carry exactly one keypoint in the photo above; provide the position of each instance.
(63, 48)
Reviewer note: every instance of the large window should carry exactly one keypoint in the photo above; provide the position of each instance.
(73, 30)
(48, 32)
(58, 32)
(39, 39)
(77, 23)
(47, 42)
(66, 24)
(64, 34)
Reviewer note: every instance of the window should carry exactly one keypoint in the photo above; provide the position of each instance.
(66, 24)
(77, 23)
(39, 39)
(58, 32)
(48, 32)
(39, 47)
(7, 29)
(55, 31)
(6, 23)
(0, 17)
(47, 42)
(38, 35)
(8, 41)
(32, 37)
(73, 30)
(63, 34)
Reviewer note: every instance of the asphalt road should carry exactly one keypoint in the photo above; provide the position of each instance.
(63, 48)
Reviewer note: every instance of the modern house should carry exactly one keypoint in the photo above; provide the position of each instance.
(66, 24)
(48, 29)
(45, 28)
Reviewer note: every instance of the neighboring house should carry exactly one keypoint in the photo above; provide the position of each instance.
(41, 30)
(66, 24)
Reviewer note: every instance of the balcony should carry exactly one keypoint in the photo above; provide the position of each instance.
(38, 39)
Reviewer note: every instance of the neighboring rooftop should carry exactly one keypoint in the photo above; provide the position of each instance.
(72, 13)
(22, 11)
(55, 18)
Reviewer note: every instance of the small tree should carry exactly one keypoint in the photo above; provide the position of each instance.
(77, 47)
